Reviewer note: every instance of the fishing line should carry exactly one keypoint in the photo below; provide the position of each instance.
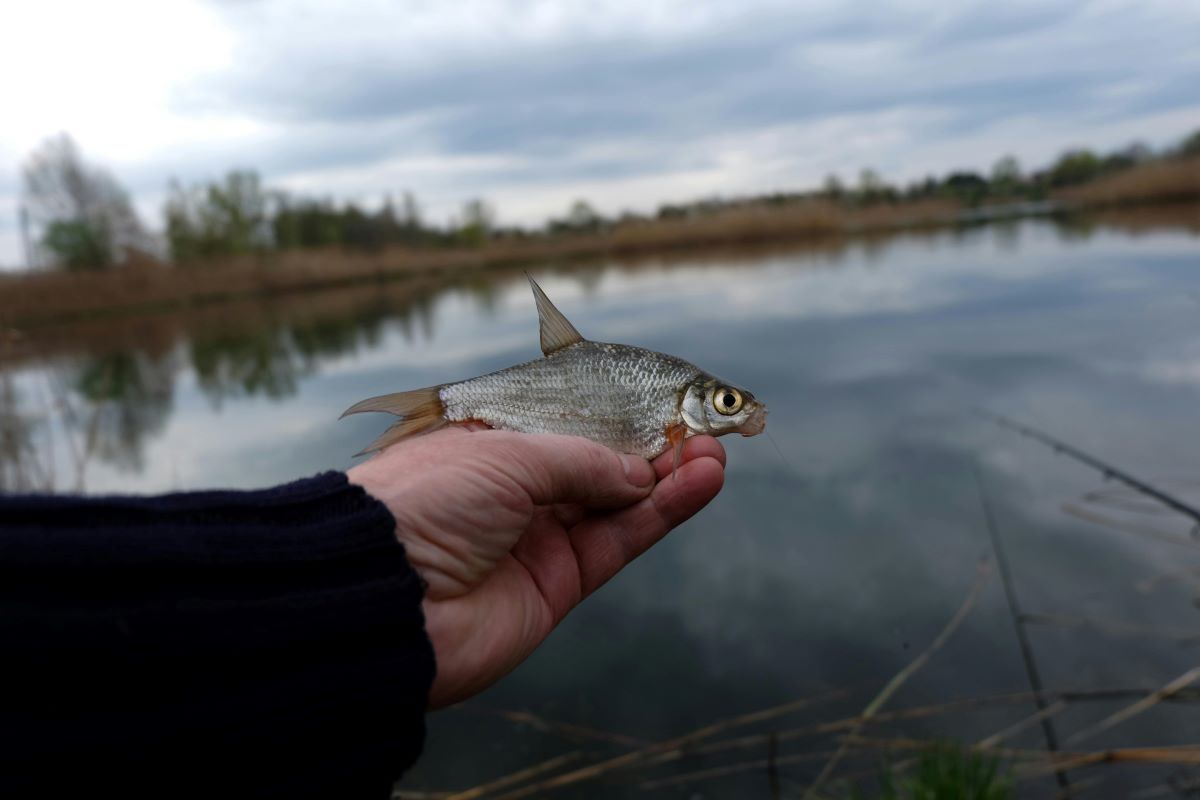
(786, 465)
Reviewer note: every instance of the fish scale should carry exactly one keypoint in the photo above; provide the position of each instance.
(621, 396)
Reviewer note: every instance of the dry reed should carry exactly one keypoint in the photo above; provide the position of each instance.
(567, 730)
(1141, 706)
(1129, 527)
(899, 679)
(516, 777)
(1115, 626)
(1061, 700)
(637, 757)
(1166, 181)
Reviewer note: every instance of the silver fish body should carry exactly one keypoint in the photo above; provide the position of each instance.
(627, 398)
(620, 396)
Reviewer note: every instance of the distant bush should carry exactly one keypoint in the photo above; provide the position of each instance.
(1074, 167)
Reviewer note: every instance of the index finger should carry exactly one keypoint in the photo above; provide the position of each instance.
(605, 545)
(554, 469)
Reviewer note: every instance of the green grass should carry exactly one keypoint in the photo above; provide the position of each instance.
(945, 772)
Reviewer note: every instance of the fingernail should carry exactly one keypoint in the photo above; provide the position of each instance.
(637, 470)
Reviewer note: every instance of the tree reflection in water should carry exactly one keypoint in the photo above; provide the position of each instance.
(103, 393)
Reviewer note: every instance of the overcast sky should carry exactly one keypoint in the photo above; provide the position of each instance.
(628, 104)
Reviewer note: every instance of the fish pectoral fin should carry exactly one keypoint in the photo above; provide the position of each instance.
(676, 435)
(555, 330)
(421, 409)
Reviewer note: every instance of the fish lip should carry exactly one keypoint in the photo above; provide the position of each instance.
(756, 423)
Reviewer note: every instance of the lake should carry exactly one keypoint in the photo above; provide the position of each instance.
(828, 563)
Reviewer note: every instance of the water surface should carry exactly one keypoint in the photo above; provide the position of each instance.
(832, 569)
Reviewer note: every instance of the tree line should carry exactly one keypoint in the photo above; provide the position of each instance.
(77, 216)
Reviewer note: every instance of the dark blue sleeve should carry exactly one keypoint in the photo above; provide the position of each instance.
(266, 643)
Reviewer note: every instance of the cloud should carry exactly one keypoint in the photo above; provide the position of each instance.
(631, 103)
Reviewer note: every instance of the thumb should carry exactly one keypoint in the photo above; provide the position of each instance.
(567, 469)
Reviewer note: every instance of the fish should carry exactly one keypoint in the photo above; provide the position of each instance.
(627, 398)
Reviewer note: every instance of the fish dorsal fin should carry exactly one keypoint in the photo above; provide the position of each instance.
(556, 332)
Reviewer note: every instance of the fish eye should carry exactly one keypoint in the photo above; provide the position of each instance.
(727, 400)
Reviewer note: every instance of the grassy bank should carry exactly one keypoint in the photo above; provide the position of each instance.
(30, 298)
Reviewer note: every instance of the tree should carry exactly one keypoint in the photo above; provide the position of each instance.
(478, 220)
(306, 222)
(237, 210)
(219, 219)
(410, 215)
(672, 211)
(1191, 145)
(82, 217)
(967, 187)
(834, 190)
(363, 230)
(1129, 156)
(404, 226)
(924, 188)
(185, 239)
(872, 189)
(1006, 175)
(582, 217)
(77, 245)
(1074, 166)
(869, 181)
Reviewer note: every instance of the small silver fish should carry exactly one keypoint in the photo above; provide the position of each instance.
(627, 398)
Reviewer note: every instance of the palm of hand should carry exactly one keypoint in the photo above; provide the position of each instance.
(510, 531)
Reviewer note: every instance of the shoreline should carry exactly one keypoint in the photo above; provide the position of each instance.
(35, 300)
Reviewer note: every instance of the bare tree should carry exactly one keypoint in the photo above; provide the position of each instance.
(82, 217)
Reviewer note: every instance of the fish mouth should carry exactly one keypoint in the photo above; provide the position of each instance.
(756, 424)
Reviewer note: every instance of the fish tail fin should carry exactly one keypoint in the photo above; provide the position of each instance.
(421, 409)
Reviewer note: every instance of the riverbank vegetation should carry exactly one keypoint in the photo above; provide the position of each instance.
(236, 236)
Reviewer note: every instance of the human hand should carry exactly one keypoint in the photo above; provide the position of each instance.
(511, 531)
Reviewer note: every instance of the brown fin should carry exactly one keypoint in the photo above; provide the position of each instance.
(556, 332)
(676, 435)
(421, 408)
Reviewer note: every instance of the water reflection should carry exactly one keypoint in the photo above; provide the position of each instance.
(125, 398)
(872, 353)
(20, 467)
(98, 391)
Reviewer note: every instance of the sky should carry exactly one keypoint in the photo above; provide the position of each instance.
(627, 104)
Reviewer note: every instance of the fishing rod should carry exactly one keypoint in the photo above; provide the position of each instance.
(1032, 673)
(1106, 469)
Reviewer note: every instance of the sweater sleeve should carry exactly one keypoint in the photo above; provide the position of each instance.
(262, 643)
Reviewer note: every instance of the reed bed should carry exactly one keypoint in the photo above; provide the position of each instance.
(29, 297)
(1167, 181)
